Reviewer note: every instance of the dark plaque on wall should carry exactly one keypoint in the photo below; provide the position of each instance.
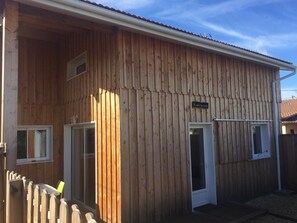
(197, 104)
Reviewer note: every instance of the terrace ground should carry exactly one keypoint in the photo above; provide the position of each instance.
(278, 207)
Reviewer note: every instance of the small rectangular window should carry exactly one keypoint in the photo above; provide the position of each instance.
(260, 140)
(33, 144)
(77, 66)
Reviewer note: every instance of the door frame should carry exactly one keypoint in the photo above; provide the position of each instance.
(68, 159)
(208, 138)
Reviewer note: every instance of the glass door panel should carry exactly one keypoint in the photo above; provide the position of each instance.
(197, 159)
(83, 165)
(90, 167)
(78, 165)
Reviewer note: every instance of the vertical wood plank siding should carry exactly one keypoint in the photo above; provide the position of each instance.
(139, 91)
(39, 103)
(1, 68)
(94, 96)
(159, 81)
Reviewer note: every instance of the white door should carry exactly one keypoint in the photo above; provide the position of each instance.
(202, 164)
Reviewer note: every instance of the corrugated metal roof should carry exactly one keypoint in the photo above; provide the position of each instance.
(177, 29)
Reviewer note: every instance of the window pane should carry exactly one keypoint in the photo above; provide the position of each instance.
(21, 144)
(78, 164)
(90, 141)
(36, 143)
(90, 167)
(197, 159)
(83, 166)
(40, 143)
(257, 139)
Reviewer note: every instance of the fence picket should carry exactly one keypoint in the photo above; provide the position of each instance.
(44, 206)
(30, 202)
(90, 217)
(24, 198)
(75, 215)
(36, 205)
(64, 212)
(53, 216)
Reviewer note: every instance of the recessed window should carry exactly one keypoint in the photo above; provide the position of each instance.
(33, 144)
(292, 131)
(77, 66)
(260, 141)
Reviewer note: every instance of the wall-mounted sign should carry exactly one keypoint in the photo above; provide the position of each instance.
(197, 104)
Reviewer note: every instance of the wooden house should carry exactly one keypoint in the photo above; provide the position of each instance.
(141, 120)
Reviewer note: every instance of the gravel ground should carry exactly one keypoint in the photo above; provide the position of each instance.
(285, 205)
(269, 219)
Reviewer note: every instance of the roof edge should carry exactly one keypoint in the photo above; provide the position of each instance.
(85, 10)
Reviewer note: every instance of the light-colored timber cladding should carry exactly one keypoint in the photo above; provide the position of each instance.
(0, 70)
(39, 103)
(139, 90)
(94, 96)
(159, 81)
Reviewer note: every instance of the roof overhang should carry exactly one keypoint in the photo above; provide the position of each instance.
(98, 14)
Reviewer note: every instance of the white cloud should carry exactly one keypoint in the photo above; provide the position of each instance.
(269, 42)
(125, 4)
(259, 43)
(288, 93)
(194, 9)
(259, 40)
(194, 13)
(224, 30)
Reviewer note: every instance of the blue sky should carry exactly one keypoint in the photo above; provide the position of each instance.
(265, 26)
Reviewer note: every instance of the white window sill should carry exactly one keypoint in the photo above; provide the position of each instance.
(33, 162)
(261, 156)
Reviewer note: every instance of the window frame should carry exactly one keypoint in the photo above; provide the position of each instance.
(76, 62)
(49, 139)
(265, 141)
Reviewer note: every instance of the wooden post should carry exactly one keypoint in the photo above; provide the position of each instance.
(2, 187)
(14, 198)
(7, 193)
(9, 81)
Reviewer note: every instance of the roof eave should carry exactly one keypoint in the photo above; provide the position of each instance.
(87, 11)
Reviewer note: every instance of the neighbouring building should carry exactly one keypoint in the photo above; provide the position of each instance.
(289, 116)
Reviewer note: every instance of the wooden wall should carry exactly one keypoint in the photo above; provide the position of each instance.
(39, 103)
(1, 33)
(288, 158)
(159, 81)
(139, 91)
(94, 96)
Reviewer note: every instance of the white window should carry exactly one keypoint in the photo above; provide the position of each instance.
(260, 140)
(77, 66)
(34, 143)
